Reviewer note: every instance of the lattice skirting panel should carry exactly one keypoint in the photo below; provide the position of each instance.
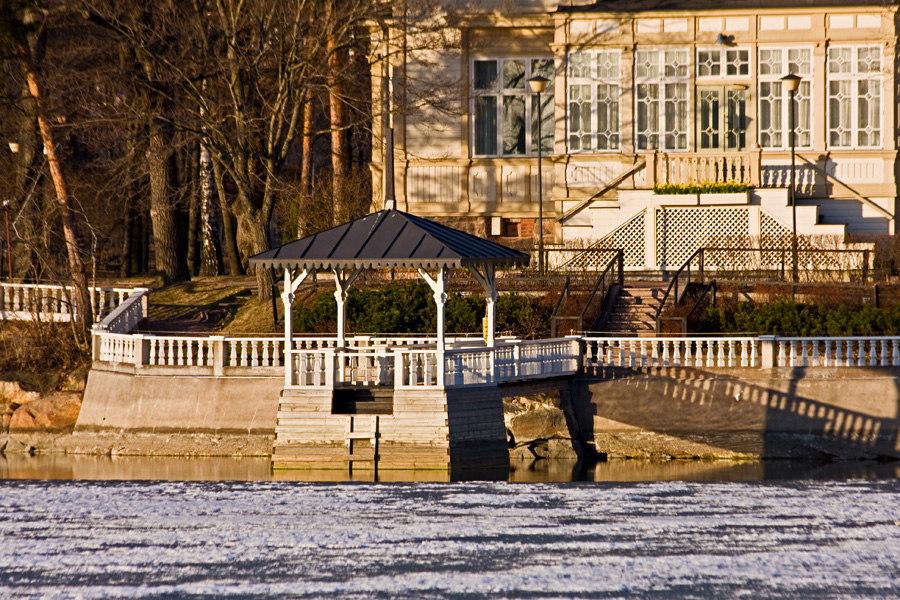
(680, 231)
(663, 238)
(630, 237)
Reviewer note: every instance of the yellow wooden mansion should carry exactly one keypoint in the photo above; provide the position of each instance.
(645, 93)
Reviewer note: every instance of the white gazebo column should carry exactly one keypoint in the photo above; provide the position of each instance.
(488, 280)
(290, 286)
(343, 281)
(439, 287)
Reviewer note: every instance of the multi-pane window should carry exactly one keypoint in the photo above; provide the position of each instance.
(593, 96)
(503, 106)
(854, 96)
(661, 99)
(717, 62)
(775, 63)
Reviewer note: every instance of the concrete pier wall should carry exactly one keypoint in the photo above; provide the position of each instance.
(124, 412)
(840, 412)
(736, 412)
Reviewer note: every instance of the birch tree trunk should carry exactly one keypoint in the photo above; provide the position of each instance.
(211, 251)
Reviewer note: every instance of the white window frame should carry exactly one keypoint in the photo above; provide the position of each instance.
(804, 95)
(499, 92)
(592, 81)
(723, 63)
(855, 76)
(662, 82)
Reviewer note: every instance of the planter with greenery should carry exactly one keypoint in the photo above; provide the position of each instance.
(728, 192)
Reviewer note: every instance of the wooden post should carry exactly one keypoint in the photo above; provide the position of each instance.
(439, 286)
(343, 281)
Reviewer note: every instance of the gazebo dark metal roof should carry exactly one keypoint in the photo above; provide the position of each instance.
(389, 238)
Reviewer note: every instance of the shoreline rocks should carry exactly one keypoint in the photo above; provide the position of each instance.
(29, 421)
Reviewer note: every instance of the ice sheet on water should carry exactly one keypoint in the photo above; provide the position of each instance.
(473, 540)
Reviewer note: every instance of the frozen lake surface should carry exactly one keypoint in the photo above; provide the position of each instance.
(263, 539)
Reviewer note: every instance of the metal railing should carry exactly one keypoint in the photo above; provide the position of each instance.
(683, 320)
(681, 280)
(592, 311)
(814, 264)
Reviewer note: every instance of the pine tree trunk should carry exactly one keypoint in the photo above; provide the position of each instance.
(306, 168)
(84, 310)
(170, 267)
(194, 239)
(257, 234)
(340, 146)
(229, 225)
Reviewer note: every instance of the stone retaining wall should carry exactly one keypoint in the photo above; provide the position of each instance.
(738, 412)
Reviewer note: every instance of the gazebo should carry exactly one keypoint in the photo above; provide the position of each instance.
(386, 239)
(423, 406)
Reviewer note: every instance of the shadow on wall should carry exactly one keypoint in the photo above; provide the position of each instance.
(804, 413)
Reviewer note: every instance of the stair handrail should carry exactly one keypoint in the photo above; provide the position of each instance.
(684, 320)
(616, 182)
(614, 268)
(679, 294)
(553, 315)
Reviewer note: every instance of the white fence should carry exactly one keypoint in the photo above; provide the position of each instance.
(413, 363)
(761, 352)
(634, 352)
(31, 302)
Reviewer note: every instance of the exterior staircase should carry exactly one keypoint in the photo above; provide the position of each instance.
(635, 309)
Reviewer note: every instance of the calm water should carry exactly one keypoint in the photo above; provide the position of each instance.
(150, 528)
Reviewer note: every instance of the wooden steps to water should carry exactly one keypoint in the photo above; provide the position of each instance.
(380, 428)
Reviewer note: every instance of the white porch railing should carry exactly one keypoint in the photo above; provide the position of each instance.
(30, 301)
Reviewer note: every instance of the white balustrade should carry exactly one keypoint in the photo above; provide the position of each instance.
(382, 361)
(28, 302)
(634, 352)
(468, 367)
(365, 367)
(253, 352)
(312, 368)
(117, 348)
(879, 351)
(416, 368)
(177, 351)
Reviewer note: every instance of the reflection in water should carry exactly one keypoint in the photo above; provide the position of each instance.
(168, 468)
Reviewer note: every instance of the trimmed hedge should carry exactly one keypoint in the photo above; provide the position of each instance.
(785, 317)
(409, 308)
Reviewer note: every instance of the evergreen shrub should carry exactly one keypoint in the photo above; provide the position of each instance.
(787, 318)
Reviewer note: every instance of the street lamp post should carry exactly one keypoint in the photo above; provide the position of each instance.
(792, 84)
(8, 243)
(538, 84)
